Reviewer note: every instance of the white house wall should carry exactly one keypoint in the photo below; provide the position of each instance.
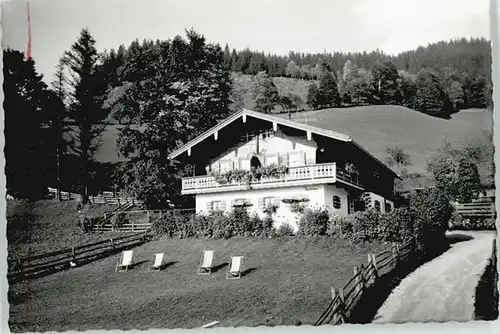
(383, 207)
(283, 214)
(332, 190)
(300, 150)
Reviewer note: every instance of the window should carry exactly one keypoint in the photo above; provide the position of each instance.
(218, 206)
(388, 207)
(377, 206)
(268, 201)
(297, 159)
(336, 202)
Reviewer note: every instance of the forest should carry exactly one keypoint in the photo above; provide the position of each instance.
(438, 79)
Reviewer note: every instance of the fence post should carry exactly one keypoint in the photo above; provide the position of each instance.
(160, 214)
(73, 254)
(147, 216)
(112, 243)
(371, 270)
(342, 310)
(395, 253)
(359, 280)
(132, 226)
(335, 315)
(375, 268)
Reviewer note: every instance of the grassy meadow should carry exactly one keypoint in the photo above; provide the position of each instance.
(284, 281)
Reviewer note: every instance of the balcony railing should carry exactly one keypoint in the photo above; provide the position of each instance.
(313, 174)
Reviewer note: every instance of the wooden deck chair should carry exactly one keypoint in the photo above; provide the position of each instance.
(126, 261)
(207, 259)
(158, 262)
(235, 267)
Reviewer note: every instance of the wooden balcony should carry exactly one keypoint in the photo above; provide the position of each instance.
(296, 176)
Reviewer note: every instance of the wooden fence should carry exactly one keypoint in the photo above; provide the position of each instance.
(44, 264)
(133, 221)
(345, 299)
(106, 197)
(476, 209)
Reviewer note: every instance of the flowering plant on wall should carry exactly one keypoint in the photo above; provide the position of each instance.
(254, 174)
(351, 168)
(271, 208)
(297, 204)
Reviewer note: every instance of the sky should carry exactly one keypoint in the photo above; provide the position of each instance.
(274, 26)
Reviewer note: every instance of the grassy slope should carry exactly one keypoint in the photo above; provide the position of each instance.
(54, 226)
(286, 281)
(377, 127)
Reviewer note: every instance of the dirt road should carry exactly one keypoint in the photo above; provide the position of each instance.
(444, 288)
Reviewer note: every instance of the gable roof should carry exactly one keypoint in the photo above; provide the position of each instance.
(278, 120)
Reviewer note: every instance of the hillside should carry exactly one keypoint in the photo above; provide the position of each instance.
(53, 225)
(373, 127)
(378, 127)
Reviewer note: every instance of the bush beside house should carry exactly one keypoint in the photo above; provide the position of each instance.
(426, 219)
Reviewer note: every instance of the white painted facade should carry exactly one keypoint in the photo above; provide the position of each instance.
(379, 203)
(270, 148)
(320, 196)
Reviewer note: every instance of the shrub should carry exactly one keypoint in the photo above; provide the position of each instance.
(285, 230)
(460, 223)
(118, 219)
(432, 212)
(313, 222)
(214, 225)
(366, 226)
(86, 223)
(398, 225)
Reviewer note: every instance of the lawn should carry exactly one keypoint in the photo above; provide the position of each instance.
(376, 128)
(285, 281)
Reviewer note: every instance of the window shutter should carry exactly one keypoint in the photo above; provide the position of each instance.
(302, 158)
(283, 159)
(223, 206)
(209, 206)
(260, 203)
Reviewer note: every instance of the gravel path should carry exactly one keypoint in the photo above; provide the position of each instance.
(444, 288)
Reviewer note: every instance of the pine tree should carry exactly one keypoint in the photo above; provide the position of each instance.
(266, 94)
(328, 95)
(87, 94)
(25, 100)
(57, 114)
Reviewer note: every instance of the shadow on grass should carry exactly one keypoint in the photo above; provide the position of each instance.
(138, 264)
(168, 264)
(219, 267)
(373, 297)
(49, 270)
(458, 237)
(486, 297)
(248, 271)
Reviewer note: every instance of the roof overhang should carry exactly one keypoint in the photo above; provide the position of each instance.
(244, 113)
